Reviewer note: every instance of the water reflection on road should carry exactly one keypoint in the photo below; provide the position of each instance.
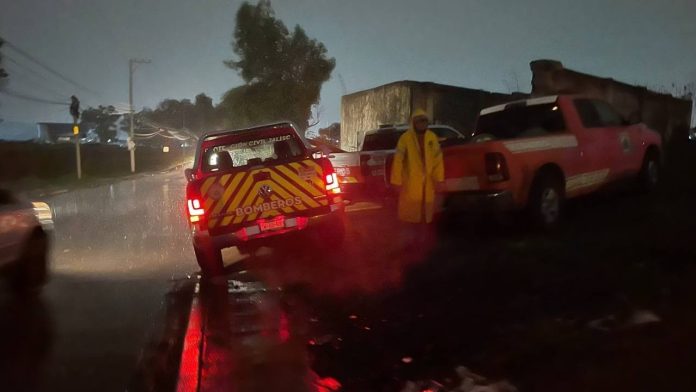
(114, 251)
(131, 228)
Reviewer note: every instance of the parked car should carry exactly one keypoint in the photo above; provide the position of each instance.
(365, 173)
(24, 229)
(534, 154)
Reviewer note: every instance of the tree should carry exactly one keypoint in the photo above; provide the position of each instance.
(103, 119)
(283, 71)
(205, 117)
(331, 134)
(173, 113)
(198, 117)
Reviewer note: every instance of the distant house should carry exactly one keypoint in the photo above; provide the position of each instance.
(18, 131)
(55, 132)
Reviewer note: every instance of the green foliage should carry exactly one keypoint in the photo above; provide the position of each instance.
(103, 119)
(283, 70)
(198, 116)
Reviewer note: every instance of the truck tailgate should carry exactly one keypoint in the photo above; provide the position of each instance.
(347, 167)
(288, 189)
(465, 168)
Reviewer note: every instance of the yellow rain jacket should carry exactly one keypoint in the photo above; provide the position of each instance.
(417, 178)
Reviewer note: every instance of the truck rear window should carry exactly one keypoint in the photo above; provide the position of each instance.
(522, 121)
(252, 151)
(381, 140)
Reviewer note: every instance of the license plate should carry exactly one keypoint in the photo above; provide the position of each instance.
(274, 224)
(378, 172)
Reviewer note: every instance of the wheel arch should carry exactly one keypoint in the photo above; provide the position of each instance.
(549, 169)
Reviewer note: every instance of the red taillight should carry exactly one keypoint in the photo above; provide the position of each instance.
(332, 183)
(330, 177)
(496, 167)
(194, 203)
(195, 209)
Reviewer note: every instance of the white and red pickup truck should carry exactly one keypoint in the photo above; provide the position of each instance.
(365, 173)
(534, 154)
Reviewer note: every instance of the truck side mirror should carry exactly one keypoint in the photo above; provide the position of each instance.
(188, 173)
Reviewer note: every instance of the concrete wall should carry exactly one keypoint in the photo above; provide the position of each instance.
(393, 104)
(366, 110)
(456, 106)
(668, 115)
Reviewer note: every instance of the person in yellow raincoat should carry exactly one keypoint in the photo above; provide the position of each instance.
(418, 172)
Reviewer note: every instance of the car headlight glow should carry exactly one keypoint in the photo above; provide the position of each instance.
(43, 213)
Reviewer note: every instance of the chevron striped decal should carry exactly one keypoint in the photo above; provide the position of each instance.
(237, 198)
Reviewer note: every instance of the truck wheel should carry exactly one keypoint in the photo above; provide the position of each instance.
(210, 261)
(545, 204)
(31, 272)
(649, 177)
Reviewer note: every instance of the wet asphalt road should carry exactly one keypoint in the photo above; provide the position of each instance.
(548, 312)
(115, 250)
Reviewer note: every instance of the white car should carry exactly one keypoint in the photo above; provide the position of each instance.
(24, 228)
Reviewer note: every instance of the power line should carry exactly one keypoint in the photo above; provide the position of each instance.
(176, 133)
(47, 68)
(25, 74)
(28, 97)
(149, 135)
(161, 133)
(12, 60)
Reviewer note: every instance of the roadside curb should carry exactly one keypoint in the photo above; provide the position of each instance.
(190, 366)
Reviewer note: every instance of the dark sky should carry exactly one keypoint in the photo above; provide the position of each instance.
(474, 43)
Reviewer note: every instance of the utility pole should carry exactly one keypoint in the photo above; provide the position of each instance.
(131, 142)
(78, 159)
(75, 113)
